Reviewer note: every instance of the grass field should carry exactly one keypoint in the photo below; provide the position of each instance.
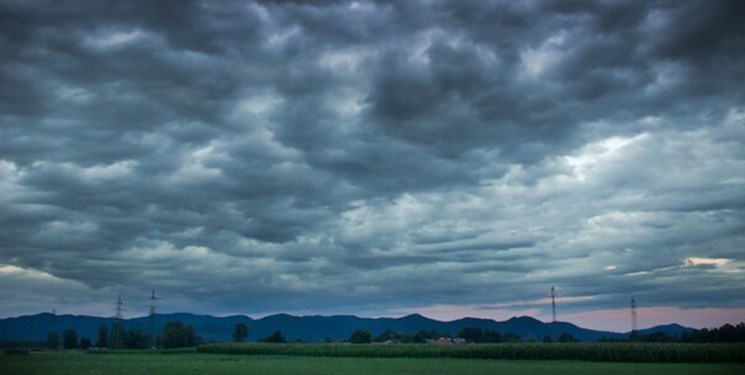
(195, 363)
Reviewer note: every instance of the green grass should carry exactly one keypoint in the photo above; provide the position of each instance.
(180, 364)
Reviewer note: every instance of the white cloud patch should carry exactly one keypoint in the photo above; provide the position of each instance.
(362, 156)
(110, 39)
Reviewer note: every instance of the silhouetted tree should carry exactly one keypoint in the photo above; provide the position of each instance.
(360, 336)
(725, 333)
(275, 338)
(657, 337)
(178, 335)
(116, 336)
(426, 334)
(567, 337)
(387, 335)
(511, 337)
(492, 336)
(85, 343)
(478, 335)
(103, 337)
(53, 340)
(472, 334)
(240, 332)
(135, 339)
(69, 339)
(634, 336)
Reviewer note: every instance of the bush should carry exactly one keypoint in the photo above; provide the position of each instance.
(360, 336)
(16, 351)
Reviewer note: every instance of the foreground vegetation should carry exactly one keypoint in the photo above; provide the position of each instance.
(596, 352)
(133, 362)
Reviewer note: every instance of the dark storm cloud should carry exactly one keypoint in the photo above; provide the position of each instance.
(352, 150)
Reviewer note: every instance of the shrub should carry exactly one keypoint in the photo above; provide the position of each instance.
(16, 351)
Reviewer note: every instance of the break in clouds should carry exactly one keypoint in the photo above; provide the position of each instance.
(372, 158)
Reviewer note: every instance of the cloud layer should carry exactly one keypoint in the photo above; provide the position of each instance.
(372, 157)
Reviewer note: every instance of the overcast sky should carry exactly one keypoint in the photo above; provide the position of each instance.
(452, 158)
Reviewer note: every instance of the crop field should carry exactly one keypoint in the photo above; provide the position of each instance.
(595, 352)
(198, 363)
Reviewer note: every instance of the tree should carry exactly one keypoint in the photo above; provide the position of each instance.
(135, 339)
(116, 336)
(360, 336)
(240, 332)
(567, 337)
(275, 338)
(423, 335)
(103, 337)
(85, 343)
(388, 335)
(178, 335)
(511, 337)
(53, 340)
(478, 335)
(472, 334)
(69, 339)
(634, 336)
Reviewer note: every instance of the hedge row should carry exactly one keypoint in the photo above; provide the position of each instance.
(16, 351)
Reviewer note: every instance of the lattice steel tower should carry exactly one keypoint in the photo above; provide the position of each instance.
(553, 304)
(152, 319)
(633, 315)
(118, 309)
(117, 327)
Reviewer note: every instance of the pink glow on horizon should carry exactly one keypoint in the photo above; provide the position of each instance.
(615, 320)
(619, 320)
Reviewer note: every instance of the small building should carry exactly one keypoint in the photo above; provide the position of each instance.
(441, 341)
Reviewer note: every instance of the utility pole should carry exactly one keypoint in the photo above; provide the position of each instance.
(153, 342)
(633, 316)
(553, 304)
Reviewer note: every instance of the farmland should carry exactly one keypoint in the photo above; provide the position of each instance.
(596, 352)
(198, 363)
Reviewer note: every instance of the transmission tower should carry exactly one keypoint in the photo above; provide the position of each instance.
(152, 319)
(118, 309)
(633, 316)
(116, 327)
(553, 304)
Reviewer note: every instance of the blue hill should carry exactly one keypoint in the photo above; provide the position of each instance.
(306, 328)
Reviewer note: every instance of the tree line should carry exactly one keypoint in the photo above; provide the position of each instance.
(175, 334)
(725, 333)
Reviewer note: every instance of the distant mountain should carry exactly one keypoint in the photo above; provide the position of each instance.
(306, 328)
(674, 330)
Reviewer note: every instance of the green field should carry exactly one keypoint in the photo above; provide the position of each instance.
(586, 352)
(196, 363)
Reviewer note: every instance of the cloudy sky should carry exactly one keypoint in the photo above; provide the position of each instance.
(451, 158)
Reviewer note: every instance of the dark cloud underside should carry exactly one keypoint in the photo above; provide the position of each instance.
(374, 156)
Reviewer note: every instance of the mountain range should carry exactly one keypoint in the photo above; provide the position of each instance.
(307, 328)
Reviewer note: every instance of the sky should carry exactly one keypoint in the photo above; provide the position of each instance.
(448, 158)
